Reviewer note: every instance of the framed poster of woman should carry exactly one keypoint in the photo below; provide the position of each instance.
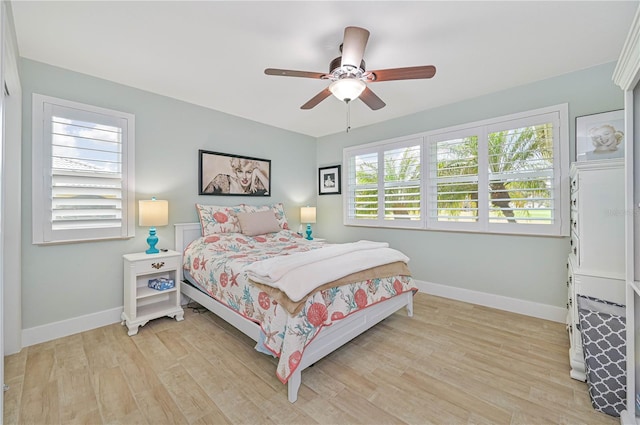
(235, 175)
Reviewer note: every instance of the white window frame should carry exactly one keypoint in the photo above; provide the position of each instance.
(560, 225)
(42, 174)
(430, 143)
(380, 148)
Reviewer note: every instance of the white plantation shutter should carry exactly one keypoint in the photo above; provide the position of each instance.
(402, 183)
(83, 159)
(523, 175)
(384, 185)
(528, 197)
(502, 175)
(454, 179)
(362, 183)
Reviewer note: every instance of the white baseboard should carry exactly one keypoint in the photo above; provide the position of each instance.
(50, 331)
(514, 305)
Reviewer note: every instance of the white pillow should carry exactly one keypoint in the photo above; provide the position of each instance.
(258, 223)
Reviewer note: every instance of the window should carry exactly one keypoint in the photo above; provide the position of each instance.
(83, 170)
(454, 179)
(384, 185)
(363, 184)
(402, 183)
(505, 175)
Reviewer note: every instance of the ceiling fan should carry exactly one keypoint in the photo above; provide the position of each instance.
(349, 76)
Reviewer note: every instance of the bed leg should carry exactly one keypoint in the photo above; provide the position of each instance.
(294, 385)
(410, 304)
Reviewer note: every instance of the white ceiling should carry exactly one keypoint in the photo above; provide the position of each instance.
(213, 53)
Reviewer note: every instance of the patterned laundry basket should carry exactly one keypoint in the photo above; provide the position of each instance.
(603, 330)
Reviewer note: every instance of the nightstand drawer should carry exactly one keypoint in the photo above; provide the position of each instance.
(157, 265)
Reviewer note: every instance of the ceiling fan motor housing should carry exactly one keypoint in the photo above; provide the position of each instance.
(337, 71)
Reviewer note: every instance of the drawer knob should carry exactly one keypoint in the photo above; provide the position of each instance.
(157, 265)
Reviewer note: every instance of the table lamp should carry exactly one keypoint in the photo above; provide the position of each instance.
(308, 216)
(153, 213)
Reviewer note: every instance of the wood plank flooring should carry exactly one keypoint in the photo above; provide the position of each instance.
(452, 363)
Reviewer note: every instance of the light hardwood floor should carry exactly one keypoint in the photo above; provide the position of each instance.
(452, 363)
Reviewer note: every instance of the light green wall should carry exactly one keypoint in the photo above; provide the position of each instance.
(523, 267)
(66, 281)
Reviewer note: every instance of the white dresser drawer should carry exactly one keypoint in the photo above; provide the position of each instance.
(574, 243)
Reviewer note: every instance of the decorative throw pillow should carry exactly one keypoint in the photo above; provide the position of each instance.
(258, 223)
(278, 210)
(217, 219)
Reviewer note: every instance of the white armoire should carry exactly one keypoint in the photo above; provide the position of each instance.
(596, 261)
(627, 76)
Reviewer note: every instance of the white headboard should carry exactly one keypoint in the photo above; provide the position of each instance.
(185, 233)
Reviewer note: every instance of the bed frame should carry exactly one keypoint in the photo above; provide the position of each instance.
(328, 339)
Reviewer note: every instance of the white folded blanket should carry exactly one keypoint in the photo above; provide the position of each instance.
(300, 273)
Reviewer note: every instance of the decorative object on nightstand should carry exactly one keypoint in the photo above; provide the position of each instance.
(161, 283)
(308, 217)
(153, 213)
(151, 288)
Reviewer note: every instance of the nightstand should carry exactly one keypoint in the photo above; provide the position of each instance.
(142, 303)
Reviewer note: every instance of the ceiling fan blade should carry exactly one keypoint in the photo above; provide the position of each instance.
(353, 45)
(316, 99)
(371, 99)
(291, 73)
(410, 73)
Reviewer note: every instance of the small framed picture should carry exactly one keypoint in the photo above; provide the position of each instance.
(600, 136)
(329, 180)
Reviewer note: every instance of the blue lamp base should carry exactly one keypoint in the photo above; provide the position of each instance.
(152, 240)
(309, 232)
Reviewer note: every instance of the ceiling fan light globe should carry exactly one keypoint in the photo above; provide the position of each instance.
(347, 88)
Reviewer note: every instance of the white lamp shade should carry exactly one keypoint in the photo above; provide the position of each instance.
(308, 215)
(347, 88)
(153, 213)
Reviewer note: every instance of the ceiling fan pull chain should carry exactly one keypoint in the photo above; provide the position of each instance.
(348, 115)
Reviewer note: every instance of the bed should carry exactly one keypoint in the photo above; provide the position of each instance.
(221, 254)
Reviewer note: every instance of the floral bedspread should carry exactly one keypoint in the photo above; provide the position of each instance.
(217, 265)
